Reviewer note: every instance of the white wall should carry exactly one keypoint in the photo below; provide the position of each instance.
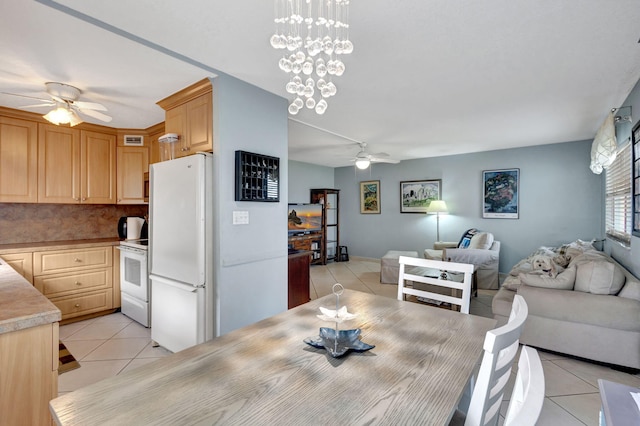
(560, 201)
(251, 260)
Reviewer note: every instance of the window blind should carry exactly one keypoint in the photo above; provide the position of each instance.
(618, 197)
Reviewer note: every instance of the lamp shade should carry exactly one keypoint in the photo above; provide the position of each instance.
(437, 206)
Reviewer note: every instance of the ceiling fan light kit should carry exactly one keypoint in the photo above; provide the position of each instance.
(66, 106)
(63, 115)
(325, 27)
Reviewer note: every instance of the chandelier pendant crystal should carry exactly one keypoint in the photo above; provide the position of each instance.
(314, 34)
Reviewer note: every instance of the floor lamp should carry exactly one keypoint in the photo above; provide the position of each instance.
(437, 207)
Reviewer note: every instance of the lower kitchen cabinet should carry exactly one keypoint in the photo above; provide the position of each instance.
(29, 366)
(78, 281)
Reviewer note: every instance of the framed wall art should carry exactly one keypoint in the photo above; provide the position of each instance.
(370, 197)
(501, 194)
(416, 195)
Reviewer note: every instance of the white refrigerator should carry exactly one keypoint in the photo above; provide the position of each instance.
(183, 297)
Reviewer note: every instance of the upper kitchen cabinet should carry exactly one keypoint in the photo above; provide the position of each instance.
(18, 161)
(76, 166)
(133, 163)
(154, 146)
(189, 113)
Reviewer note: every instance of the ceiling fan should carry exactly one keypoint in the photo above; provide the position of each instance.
(67, 107)
(363, 159)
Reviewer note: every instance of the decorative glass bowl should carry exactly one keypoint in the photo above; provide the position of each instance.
(346, 340)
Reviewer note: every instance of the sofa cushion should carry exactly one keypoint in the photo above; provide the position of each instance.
(511, 282)
(482, 241)
(599, 277)
(631, 289)
(575, 306)
(563, 281)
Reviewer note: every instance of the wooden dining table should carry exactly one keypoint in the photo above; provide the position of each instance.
(264, 374)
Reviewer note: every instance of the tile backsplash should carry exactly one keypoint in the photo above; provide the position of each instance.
(30, 223)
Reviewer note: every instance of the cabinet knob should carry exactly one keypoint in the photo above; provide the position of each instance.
(184, 149)
(84, 199)
(78, 283)
(77, 260)
(77, 305)
(77, 199)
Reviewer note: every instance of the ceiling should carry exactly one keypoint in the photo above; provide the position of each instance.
(426, 78)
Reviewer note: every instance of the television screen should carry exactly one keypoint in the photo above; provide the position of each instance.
(305, 218)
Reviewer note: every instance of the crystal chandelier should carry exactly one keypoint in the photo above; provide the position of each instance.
(314, 34)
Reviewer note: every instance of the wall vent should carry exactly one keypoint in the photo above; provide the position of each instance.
(133, 140)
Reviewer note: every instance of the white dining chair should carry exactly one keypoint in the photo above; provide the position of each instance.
(416, 270)
(500, 349)
(528, 392)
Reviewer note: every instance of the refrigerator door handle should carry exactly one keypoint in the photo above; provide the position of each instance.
(176, 284)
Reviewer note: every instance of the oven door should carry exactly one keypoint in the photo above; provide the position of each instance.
(134, 280)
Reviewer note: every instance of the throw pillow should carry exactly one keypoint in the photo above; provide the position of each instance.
(563, 281)
(482, 241)
(599, 277)
(466, 238)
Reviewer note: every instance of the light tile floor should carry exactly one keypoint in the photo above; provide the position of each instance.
(109, 345)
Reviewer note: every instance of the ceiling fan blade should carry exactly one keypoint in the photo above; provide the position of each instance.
(89, 105)
(49, 104)
(25, 96)
(95, 114)
(384, 160)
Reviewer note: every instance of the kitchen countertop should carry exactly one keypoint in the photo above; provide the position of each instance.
(21, 305)
(57, 245)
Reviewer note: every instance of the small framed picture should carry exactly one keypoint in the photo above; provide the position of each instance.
(416, 195)
(370, 197)
(501, 193)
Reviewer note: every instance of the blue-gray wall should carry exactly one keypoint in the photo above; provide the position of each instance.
(560, 201)
(305, 176)
(251, 260)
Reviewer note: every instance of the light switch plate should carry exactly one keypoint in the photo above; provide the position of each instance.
(240, 217)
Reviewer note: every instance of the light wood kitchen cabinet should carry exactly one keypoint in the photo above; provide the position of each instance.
(22, 263)
(154, 145)
(189, 113)
(76, 166)
(29, 366)
(77, 281)
(133, 163)
(18, 161)
(117, 300)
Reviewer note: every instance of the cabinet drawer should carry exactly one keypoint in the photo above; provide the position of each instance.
(58, 285)
(51, 262)
(74, 306)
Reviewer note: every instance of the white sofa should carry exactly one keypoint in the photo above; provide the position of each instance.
(591, 309)
(483, 251)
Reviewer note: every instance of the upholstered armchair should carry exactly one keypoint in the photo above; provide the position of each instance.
(477, 248)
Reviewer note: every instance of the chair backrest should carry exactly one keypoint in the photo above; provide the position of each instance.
(528, 392)
(500, 349)
(429, 271)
